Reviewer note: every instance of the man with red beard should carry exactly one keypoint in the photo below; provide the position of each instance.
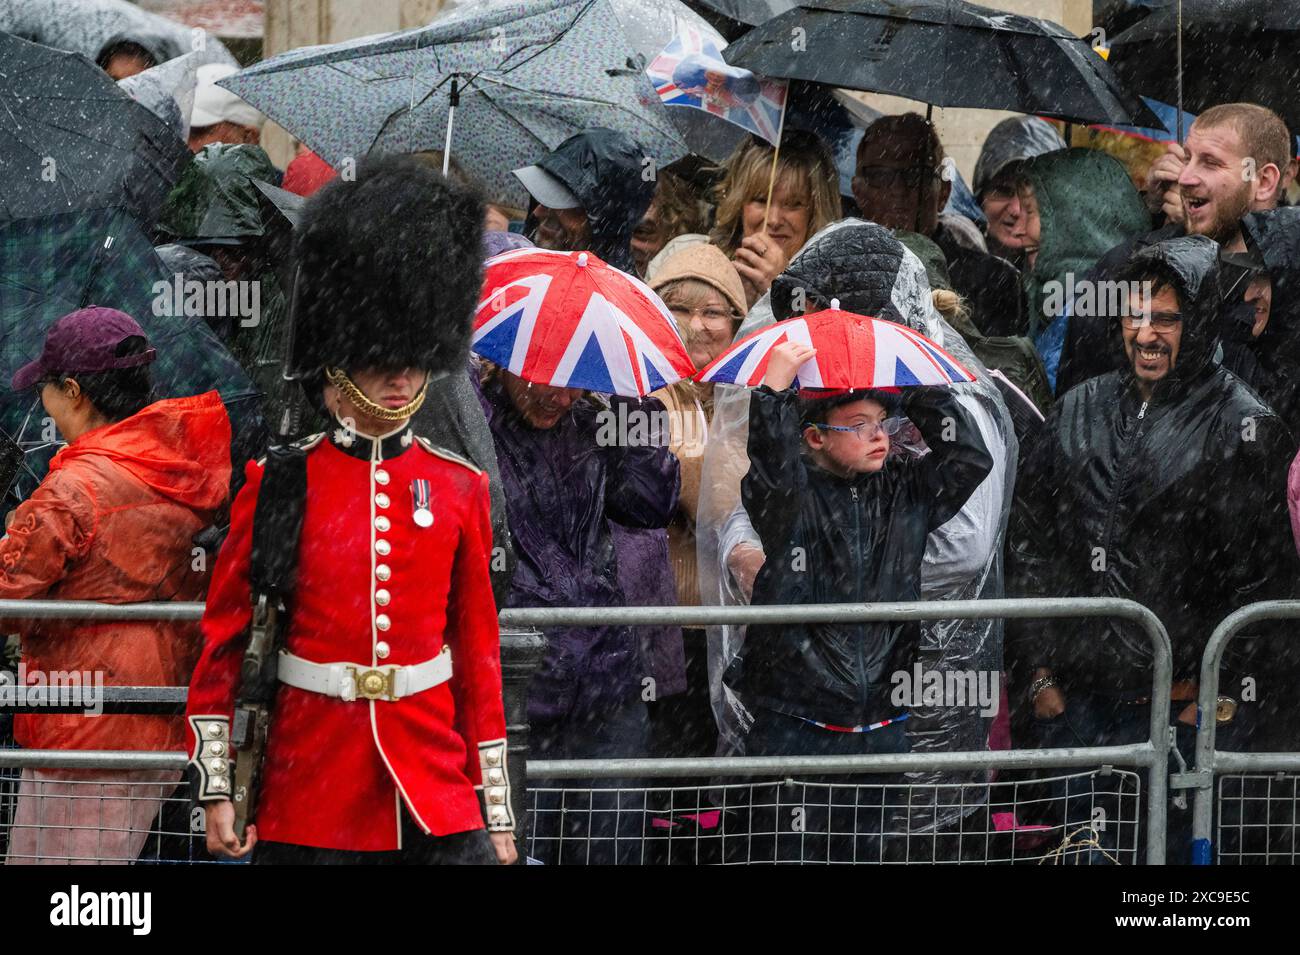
(1238, 158)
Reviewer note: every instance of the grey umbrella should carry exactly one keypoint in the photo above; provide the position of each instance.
(167, 90)
(86, 26)
(523, 75)
(71, 139)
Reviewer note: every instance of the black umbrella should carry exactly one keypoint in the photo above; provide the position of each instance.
(1232, 51)
(72, 140)
(942, 52)
(749, 12)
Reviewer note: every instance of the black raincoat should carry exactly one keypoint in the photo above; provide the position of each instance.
(606, 170)
(1270, 363)
(989, 284)
(1177, 503)
(830, 539)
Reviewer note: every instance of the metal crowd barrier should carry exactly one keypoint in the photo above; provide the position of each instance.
(628, 811)
(1259, 809)
(641, 823)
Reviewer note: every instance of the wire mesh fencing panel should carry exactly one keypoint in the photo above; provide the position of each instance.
(98, 817)
(1257, 819)
(1081, 818)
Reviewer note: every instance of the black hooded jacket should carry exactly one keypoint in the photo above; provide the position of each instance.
(1270, 363)
(832, 539)
(1177, 503)
(606, 170)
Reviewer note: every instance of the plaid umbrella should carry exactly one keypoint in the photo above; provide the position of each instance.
(52, 266)
(528, 74)
(71, 139)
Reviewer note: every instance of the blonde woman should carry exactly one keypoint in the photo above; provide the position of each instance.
(760, 238)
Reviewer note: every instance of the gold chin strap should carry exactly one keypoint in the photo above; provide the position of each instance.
(340, 380)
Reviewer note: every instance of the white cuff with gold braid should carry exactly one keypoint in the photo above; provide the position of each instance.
(212, 755)
(496, 786)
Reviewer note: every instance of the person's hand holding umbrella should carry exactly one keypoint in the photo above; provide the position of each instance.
(759, 259)
(787, 358)
(1162, 193)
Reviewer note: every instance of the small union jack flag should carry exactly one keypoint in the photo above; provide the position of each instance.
(691, 72)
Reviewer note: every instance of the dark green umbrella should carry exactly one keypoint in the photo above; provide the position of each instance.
(55, 265)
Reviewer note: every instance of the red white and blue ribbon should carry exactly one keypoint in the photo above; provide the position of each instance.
(420, 496)
(855, 729)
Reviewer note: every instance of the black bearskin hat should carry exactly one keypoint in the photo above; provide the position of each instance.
(389, 268)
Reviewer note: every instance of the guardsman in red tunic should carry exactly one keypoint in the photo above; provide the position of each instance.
(388, 725)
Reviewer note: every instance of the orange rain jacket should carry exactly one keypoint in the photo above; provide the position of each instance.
(114, 521)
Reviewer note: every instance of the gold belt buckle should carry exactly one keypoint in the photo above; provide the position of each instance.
(1225, 708)
(374, 684)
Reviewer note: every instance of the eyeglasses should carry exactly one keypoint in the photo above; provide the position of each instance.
(866, 430)
(715, 317)
(1159, 321)
(882, 177)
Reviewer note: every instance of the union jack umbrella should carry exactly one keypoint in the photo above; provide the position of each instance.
(853, 351)
(570, 320)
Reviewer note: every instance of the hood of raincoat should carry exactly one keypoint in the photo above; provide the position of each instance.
(867, 269)
(216, 200)
(604, 169)
(1087, 205)
(189, 263)
(178, 447)
(1275, 235)
(1013, 140)
(161, 48)
(1191, 265)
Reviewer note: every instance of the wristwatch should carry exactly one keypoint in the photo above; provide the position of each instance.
(1039, 685)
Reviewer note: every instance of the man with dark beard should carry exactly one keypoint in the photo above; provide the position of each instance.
(1237, 159)
(1159, 482)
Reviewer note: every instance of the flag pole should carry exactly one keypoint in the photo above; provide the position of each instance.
(776, 154)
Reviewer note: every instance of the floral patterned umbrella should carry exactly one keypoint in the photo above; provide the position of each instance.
(527, 74)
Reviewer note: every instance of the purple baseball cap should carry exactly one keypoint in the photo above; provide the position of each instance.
(85, 341)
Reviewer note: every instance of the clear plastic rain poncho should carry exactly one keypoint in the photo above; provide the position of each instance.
(962, 559)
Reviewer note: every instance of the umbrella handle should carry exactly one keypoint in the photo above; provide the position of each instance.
(454, 101)
(1180, 72)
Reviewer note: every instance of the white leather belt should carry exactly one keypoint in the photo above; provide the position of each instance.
(353, 681)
